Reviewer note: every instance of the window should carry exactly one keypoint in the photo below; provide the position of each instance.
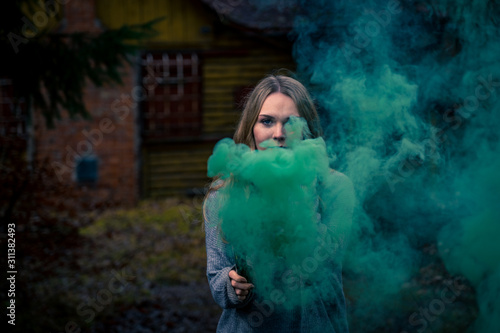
(171, 108)
(87, 170)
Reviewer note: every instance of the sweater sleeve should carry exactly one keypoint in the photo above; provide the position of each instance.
(220, 260)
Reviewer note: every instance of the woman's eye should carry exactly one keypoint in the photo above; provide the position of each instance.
(266, 122)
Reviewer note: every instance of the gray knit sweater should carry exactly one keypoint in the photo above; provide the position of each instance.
(326, 314)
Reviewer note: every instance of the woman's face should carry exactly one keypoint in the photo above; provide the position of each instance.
(273, 115)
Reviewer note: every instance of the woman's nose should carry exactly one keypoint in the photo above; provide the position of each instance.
(279, 133)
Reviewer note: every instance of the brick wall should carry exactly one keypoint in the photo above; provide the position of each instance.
(109, 136)
(80, 15)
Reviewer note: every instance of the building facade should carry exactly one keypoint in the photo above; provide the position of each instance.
(151, 136)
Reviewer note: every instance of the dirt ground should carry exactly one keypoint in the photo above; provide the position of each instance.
(182, 308)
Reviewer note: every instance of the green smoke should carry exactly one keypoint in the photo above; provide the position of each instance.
(269, 213)
(408, 96)
(409, 99)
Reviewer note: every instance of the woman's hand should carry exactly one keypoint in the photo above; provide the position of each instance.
(240, 285)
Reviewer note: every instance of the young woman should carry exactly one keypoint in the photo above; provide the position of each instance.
(273, 102)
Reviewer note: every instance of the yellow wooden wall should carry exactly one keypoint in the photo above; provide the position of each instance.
(185, 21)
(221, 75)
(170, 170)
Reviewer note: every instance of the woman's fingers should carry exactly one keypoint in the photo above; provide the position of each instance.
(235, 276)
(240, 285)
(238, 281)
(241, 292)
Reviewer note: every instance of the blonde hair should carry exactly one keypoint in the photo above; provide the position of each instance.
(267, 86)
